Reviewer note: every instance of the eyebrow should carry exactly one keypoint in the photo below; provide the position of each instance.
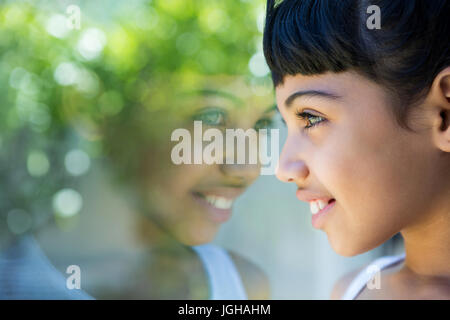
(310, 93)
(217, 93)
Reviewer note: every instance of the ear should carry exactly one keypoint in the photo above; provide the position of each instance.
(439, 98)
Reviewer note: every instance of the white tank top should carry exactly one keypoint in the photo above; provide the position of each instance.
(224, 280)
(361, 280)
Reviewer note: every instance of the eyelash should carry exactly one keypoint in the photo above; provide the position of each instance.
(307, 116)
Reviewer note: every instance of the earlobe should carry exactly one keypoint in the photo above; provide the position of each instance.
(440, 99)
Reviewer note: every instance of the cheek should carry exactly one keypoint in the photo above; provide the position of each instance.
(168, 192)
(377, 182)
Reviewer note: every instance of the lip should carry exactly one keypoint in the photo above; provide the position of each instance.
(220, 191)
(308, 196)
(318, 218)
(218, 215)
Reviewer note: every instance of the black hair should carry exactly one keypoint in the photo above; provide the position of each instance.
(317, 36)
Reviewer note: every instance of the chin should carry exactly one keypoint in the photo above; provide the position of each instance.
(347, 248)
(347, 251)
(197, 241)
(197, 236)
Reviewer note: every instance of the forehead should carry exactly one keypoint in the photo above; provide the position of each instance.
(349, 86)
(329, 82)
(231, 92)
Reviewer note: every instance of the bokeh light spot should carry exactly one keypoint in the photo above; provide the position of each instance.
(56, 26)
(16, 77)
(77, 162)
(258, 65)
(91, 43)
(67, 203)
(37, 163)
(66, 73)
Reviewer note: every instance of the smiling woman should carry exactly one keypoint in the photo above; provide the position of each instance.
(368, 145)
(177, 210)
(180, 208)
(104, 96)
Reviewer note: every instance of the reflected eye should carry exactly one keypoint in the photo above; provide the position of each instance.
(263, 124)
(211, 116)
(312, 120)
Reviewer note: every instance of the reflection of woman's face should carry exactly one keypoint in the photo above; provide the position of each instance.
(191, 201)
(351, 149)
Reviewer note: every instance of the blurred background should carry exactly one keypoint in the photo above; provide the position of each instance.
(70, 69)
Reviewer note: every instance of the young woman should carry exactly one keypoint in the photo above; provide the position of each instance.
(180, 208)
(125, 86)
(158, 68)
(159, 246)
(368, 117)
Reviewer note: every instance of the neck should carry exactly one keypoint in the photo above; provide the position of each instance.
(174, 269)
(427, 244)
(154, 237)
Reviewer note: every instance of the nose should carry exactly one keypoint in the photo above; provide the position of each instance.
(242, 173)
(291, 167)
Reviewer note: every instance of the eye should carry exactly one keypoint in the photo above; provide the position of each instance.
(265, 123)
(311, 119)
(211, 116)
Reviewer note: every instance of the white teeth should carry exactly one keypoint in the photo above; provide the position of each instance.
(314, 207)
(322, 204)
(317, 205)
(219, 202)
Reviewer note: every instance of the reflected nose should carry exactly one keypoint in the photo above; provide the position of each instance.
(240, 173)
(291, 168)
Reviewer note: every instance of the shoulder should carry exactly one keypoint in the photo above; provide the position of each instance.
(343, 283)
(255, 281)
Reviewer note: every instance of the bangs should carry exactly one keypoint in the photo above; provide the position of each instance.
(403, 55)
(310, 37)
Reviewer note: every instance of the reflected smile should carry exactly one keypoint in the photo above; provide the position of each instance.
(216, 201)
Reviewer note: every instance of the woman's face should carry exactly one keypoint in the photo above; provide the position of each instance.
(191, 201)
(381, 177)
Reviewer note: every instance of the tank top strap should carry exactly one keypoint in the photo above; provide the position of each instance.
(365, 275)
(224, 280)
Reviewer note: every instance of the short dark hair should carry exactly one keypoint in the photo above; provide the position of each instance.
(317, 36)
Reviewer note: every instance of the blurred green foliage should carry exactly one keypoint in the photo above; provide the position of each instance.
(106, 88)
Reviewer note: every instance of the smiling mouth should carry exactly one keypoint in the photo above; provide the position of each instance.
(216, 201)
(320, 211)
(317, 206)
